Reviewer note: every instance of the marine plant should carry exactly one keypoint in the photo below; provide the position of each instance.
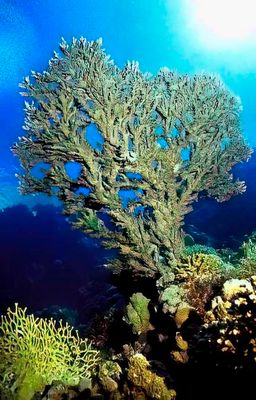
(160, 141)
(34, 352)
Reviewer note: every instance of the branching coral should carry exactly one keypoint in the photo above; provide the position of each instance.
(207, 267)
(246, 265)
(198, 275)
(34, 352)
(191, 282)
(167, 138)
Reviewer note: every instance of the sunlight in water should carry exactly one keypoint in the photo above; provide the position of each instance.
(221, 23)
(17, 37)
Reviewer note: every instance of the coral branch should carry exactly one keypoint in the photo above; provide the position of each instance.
(166, 138)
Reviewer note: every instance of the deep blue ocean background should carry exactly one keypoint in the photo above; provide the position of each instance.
(43, 262)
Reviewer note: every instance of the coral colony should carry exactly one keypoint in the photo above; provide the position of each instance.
(128, 154)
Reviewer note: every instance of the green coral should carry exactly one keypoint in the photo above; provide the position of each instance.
(172, 297)
(109, 373)
(199, 248)
(248, 248)
(207, 267)
(138, 313)
(141, 376)
(246, 262)
(160, 128)
(34, 352)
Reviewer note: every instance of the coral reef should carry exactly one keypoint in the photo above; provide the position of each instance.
(138, 313)
(229, 334)
(128, 155)
(191, 282)
(35, 352)
(198, 274)
(246, 257)
(172, 297)
(141, 376)
(125, 132)
(109, 373)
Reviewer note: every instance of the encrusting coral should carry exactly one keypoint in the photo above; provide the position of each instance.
(229, 333)
(35, 352)
(109, 373)
(164, 138)
(141, 376)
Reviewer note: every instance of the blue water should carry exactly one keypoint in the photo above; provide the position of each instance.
(42, 260)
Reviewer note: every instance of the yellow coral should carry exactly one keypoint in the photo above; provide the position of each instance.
(180, 357)
(234, 287)
(34, 352)
(140, 375)
(182, 314)
(197, 275)
(181, 343)
(208, 266)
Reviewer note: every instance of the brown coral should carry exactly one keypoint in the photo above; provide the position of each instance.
(141, 376)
